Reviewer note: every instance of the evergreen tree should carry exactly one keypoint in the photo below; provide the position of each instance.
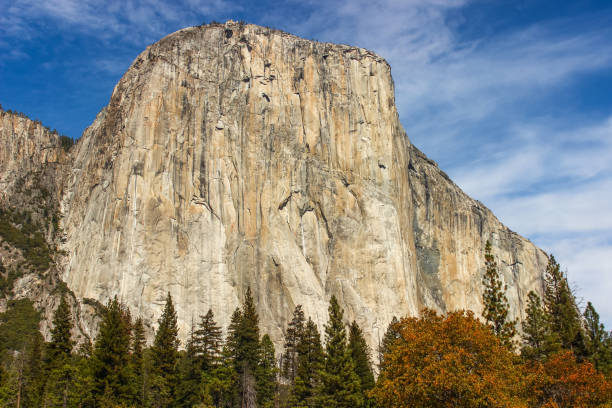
(360, 354)
(339, 383)
(561, 309)
(61, 344)
(112, 375)
(138, 345)
(292, 338)
(247, 351)
(60, 373)
(391, 335)
(220, 384)
(265, 374)
(165, 354)
(208, 341)
(190, 376)
(495, 302)
(34, 373)
(538, 340)
(309, 366)
(597, 340)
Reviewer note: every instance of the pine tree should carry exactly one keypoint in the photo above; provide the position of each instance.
(138, 345)
(220, 385)
(112, 374)
(538, 340)
(292, 338)
(309, 366)
(61, 344)
(360, 354)
(265, 374)
(189, 373)
(208, 341)
(247, 350)
(339, 383)
(34, 373)
(165, 354)
(597, 340)
(495, 302)
(561, 309)
(391, 335)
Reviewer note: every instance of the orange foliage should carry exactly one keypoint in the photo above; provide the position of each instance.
(562, 382)
(452, 361)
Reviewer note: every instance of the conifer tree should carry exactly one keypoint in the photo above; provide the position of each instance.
(165, 354)
(339, 383)
(391, 335)
(309, 367)
(112, 374)
(538, 340)
(597, 340)
(265, 374)
(293, 336)
(561, 309)
(189, 374)
(495, 302)
(360, 353)
(208, 341)
(34, 373)
(61, 344)
(138, 344)
(247, 351)
(220, 385)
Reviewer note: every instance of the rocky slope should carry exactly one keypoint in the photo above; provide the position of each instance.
(234, 155)
(33, 165)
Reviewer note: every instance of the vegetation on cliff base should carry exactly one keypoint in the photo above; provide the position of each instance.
(454, 360)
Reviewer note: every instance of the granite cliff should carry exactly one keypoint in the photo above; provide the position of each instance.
(235, 155)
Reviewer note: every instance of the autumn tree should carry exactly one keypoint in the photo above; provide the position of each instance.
(495, 302)
(452, 361)
(563, 382)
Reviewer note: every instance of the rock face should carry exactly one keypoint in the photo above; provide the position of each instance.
(33, 165)
(233, 155)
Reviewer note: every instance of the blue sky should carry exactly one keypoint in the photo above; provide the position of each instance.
(512, 98)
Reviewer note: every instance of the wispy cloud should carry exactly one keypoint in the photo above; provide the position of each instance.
(131, 20)
(485, 106)
(485, 109)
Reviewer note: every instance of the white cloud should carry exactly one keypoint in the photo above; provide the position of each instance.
(133, 21)
(468, 104)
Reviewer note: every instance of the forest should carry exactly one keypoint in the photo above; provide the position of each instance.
(559, 356)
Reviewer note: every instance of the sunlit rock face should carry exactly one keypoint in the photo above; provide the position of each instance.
(233, 155)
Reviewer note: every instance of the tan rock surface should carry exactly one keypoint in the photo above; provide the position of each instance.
(234, 155)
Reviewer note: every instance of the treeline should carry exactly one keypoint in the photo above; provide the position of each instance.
(242, 370)
(66, 142)
(561, 358)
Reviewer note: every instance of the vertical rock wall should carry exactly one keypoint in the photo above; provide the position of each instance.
(234, 155)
